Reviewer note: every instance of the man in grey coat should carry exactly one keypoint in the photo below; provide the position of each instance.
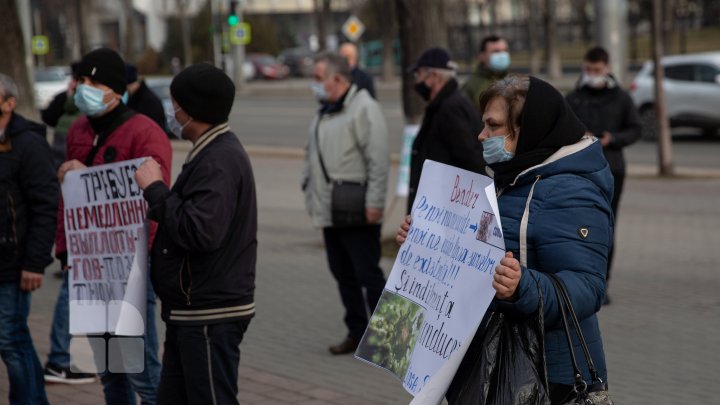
(348, 142)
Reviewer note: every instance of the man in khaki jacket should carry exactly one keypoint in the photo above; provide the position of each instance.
(348, 142)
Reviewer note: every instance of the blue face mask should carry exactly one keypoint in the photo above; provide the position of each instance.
(499, 61)
(494, 150)
(175, 127)
(89, 100)
(125, 98)
(319, 91)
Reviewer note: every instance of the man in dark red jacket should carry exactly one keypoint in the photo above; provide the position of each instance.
(111, 132)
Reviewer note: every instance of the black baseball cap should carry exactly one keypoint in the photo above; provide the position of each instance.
(437, 58)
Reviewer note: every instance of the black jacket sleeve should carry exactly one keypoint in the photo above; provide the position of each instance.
(194, 221)
(41, 194)
(52, 113)
(630, 131)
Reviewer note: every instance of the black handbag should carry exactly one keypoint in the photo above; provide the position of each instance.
(595, 393)
(347, 198)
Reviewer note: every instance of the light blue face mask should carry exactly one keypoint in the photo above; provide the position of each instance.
(499, 61)
(89, 100)
(494, 150)
(125, 98)
(175, 127)
(319, 91)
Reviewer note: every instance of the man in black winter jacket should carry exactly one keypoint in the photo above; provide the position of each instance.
(28, 214)
(141, 99)
(204, 253)
(450, 127)
(609, 113)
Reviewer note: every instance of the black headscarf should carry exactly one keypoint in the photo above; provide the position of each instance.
(546, 124)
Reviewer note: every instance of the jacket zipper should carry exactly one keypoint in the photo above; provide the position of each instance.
(189, 288)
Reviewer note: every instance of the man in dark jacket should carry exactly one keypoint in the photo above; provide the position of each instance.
(450, 127)
(205, 252)
(28, 209)
(60, 114)
(359, 77)
(609, 113)
(143, 100)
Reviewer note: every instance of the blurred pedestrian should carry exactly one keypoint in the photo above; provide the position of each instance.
(28, 209)
(360, 78)
(609, 113)
(493, 64)
(142, 99)
(347, 150)
(60, 114)
(110, 132)
(554, 190)
(449, 129)
(206, 248)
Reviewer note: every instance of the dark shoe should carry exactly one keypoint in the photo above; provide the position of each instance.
(59, 375)
(346, 346)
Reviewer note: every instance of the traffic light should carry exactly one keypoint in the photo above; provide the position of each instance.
(233, 18)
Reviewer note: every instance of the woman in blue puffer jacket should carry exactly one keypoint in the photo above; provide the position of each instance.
(554, 191)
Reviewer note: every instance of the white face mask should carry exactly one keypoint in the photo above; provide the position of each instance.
(175, 127)
(596, 82)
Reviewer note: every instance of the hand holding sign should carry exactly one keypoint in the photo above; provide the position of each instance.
(148, 173)
(507, 277)
(403, 231)
(67, 166)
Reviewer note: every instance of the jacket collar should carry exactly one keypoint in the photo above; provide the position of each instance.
(206, 138)
(339, 105)
(444, 93)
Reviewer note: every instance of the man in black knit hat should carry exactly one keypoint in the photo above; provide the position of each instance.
(110, 132)
(205, 252)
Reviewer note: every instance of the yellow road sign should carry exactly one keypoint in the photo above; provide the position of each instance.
(240, 34)
(40, 45)
(353, 28)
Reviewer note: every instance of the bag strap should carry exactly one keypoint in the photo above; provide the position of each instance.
(317, 147)
(573, 316)
(524, 225)
(104, 135)
(566, 309)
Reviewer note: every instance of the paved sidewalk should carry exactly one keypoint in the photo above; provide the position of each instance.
(661, 332)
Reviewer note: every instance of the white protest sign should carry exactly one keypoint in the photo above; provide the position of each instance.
(441, 283)
(106, 234)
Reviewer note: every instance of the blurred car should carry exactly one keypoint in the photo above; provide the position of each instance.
(49, 82)
(267, 67)
(161, 87)
(298, 60)
(692, 93)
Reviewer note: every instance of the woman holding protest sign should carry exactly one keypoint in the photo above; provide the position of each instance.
(554, 190)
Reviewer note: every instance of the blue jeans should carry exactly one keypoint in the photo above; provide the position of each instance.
(119, 388)
(25, 372)
(60, 330)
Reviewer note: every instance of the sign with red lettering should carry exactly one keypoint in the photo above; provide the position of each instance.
(441, 283)
(106, 233)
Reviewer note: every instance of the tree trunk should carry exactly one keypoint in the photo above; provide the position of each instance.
(182, 6)
(668, 21)
(533, 30)
(385, 15)
(552, 53)
(12, 62)
(322, 13)
(421, 25)
(664, 137)
(129, 48)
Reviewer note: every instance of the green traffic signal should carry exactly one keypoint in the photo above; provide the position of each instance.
(233, 20)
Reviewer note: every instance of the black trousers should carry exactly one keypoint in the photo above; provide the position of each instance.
(614, 204)
(354, 255)
(200, 364)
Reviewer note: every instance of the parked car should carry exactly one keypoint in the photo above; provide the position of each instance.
(692, 93)
(161, 87)
(298, 60)
(49, 82)
(267, 67)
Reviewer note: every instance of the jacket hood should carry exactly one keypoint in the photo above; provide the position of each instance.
(584, 158)
(19, 124)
